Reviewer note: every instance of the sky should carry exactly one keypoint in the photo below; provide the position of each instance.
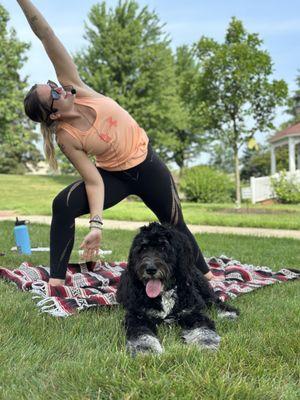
(276, 22)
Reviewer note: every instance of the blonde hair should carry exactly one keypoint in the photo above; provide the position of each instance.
(39, 112)
(48, 133)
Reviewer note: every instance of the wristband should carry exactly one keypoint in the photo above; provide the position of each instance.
(96, 220)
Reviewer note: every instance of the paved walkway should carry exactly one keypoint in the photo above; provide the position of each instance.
(132, 225)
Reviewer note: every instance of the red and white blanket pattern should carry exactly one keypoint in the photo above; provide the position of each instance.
(94, 284)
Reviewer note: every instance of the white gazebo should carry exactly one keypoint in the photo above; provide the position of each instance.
(291, 137)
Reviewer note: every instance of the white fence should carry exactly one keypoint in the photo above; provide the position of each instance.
(260, 188)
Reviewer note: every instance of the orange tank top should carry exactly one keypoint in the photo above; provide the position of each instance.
(124, 142)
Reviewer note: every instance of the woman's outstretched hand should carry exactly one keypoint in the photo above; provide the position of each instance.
(91, 244)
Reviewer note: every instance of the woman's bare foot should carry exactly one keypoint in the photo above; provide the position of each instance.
(56, 282)
(211, 277)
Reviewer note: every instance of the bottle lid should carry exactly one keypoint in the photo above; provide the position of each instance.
(23, 222)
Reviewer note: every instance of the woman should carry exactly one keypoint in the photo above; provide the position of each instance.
(85, 122)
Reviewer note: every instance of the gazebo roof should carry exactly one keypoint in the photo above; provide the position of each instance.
(293, 130)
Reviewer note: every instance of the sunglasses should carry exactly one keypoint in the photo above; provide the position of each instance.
(55, 95)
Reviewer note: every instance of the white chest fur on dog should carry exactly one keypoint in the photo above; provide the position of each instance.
(168, 300)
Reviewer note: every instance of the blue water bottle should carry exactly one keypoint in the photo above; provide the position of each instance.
(22, 237)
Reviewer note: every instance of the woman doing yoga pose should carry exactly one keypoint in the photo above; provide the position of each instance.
(84, 122)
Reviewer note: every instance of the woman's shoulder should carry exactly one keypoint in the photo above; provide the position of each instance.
(65, 136)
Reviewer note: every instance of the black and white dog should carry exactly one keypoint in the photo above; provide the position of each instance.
(161, 282)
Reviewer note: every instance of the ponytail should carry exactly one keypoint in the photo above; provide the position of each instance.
(48, 133)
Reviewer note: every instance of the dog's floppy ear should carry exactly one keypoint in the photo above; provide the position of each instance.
(185, 259)
(129, 289)
(128, 292)
(132, 258)
(123, 288)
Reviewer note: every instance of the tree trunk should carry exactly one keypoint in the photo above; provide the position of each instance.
(237, 178)
(179, 159)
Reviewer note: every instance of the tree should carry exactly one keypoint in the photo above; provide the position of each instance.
(257, 162)
(221, 158)
(17, 134)
(128, 57)
(190, 139)
(64, 165)
(293, 102)
(236, 98)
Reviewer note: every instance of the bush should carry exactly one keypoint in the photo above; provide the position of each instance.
(286, 189)
(203, 184)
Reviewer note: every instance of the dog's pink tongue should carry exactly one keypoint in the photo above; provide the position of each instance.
(153, 288)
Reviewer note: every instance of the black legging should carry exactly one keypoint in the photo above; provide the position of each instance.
(150, 180)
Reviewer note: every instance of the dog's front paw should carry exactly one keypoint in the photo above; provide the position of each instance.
(144, 344)
(231, 315)
(203, 337)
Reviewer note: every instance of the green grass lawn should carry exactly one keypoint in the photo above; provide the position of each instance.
(84, 357)
(32, 195)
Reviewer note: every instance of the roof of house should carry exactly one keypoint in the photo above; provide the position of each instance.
(293, 130)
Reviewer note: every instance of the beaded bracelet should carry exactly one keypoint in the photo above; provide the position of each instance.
(98, 226)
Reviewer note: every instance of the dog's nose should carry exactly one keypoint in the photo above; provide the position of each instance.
(151, 270)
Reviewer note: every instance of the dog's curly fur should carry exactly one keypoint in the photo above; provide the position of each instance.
(163, 253)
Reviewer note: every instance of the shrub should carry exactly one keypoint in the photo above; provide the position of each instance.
(203, 184)
(286, 189)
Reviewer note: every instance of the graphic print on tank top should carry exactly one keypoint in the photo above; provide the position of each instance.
(105, 130)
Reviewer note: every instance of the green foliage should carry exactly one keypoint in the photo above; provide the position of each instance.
(293, 103)
(129, 58)
(287, 189)
(258, 162)
(64, 165)
(204, 184)
(255, 163)
(16, 153)
(17, 136)
(190, 140)
(221, 157)
(235, 95)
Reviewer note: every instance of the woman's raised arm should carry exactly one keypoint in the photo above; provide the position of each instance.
(63, 63)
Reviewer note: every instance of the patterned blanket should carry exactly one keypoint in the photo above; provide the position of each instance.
(94, 284)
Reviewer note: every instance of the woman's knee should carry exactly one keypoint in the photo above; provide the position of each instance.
(72, 201)
(59, 205)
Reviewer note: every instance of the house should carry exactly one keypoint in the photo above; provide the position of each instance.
(261, 188)
(291, 137)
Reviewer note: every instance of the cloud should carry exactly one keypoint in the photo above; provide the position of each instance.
(188, 31)
(281, 27)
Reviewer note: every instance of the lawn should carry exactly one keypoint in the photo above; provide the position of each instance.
(33, 195)
(84, 357)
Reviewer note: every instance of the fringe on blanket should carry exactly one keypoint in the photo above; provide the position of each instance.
(94, 284)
